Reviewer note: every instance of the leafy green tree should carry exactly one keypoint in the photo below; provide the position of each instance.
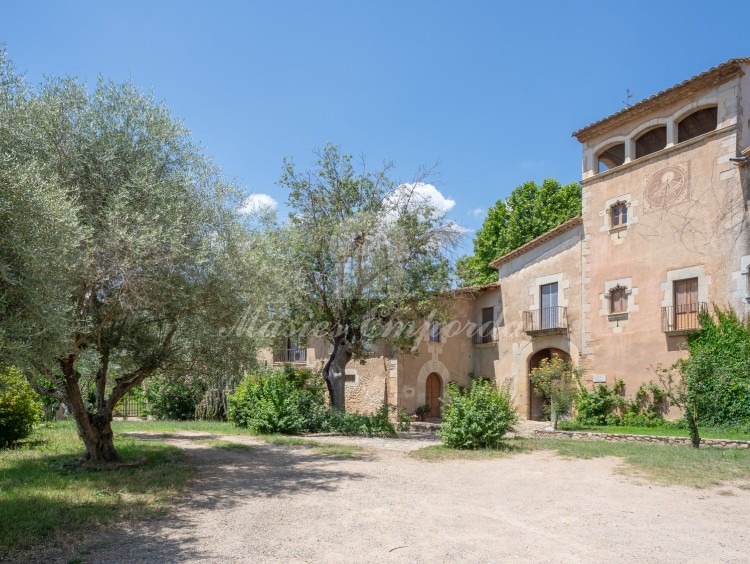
(530, 211)
(138, 261)
(364, 250)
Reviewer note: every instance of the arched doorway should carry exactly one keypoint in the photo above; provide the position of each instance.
(432, 392)
(536, 402)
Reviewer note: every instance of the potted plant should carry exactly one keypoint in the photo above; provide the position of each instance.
(422, 411)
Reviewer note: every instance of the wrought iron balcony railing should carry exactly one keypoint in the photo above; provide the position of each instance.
(682, 318)
(285, 356)
(546, 320)
(485, 334)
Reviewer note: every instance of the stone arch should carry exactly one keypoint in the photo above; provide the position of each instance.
(536, 403)
(428, 368)
(560, 342)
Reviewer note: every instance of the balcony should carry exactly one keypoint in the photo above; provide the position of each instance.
(682, 319)
(290, 356)
(485, 334)
(546, 321)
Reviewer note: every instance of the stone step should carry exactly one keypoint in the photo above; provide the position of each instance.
(423, 427)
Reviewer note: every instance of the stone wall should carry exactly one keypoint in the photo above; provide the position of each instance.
(627, 438)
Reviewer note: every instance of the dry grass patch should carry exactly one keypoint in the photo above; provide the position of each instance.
(662, 464)
(335, 450)
(437, 453)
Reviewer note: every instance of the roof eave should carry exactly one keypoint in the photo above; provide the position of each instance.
(712, 76)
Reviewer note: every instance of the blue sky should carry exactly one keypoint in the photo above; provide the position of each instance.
(490, 90)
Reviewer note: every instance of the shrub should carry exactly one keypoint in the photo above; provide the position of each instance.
(375, 425)
(292, 401)
(285, 401)
(717, 373)
(478, 417)
(554, 380)
(173, 397)
(20, 409)
(608, 406)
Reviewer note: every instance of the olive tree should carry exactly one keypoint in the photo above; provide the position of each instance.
(365, 251)
(138, 259)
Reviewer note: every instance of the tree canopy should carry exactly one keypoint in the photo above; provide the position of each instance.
(121, 254)
(530, 211)
(365, 250)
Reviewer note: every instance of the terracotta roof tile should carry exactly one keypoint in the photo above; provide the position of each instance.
(712, 75)
(551, 234)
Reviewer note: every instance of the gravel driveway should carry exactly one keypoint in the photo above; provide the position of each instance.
(288, 504)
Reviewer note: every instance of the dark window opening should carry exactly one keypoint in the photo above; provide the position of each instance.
(697, 123)
(612, 157)
(434, 332)
(651, 141)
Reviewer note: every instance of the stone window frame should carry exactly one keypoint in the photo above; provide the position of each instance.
(697, 271)
(618, 321)
(617, 232)
(612, 209)
(563, 290)
(741, 278)
(626, 293)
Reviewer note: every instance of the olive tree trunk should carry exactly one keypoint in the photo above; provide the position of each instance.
(334, 371)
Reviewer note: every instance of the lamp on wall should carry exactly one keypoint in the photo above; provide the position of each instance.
(739, 161)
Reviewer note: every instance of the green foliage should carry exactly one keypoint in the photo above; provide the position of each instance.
(530, 211)
(404, 420)
(555, 380)
(291, 401)
(478, 417)
(347, 423)
(717, 373)
(19, 407)
(173, 397)
(121, 252)
(593, 407)
(387, 244)
(608, 406)
(287, 401)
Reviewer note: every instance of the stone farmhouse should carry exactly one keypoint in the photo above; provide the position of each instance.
(663, 235)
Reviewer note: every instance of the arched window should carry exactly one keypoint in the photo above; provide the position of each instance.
(618, 300)
(612, 157)
(651, 141)
(697, 123)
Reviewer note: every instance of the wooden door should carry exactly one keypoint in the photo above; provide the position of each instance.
(432, 394)
(686, 304)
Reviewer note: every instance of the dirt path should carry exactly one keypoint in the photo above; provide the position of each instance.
(282, 504)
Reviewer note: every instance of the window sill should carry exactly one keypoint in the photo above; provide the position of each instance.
(617, 316)
(618, 228)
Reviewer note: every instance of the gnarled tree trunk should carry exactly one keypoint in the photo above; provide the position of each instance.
(334, 371)
(95, 429)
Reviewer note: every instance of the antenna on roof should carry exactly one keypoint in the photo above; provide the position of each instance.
(628, 97)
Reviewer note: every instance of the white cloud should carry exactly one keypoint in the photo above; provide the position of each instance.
(257, 202)
(460, 229)
(476, 212)
(427, 193)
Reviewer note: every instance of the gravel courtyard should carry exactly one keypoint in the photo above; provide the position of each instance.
(287, 504)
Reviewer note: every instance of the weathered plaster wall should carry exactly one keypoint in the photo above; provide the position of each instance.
(557, 260)
(686, 209)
